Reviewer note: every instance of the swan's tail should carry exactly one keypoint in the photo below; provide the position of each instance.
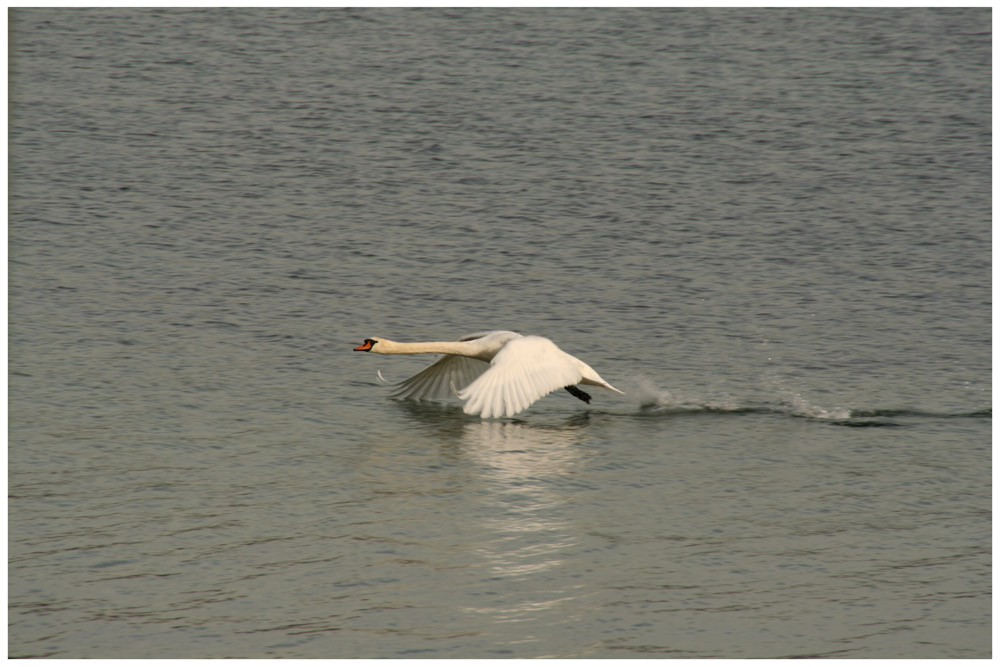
(600, 382)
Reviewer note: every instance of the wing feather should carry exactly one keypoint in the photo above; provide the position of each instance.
(436, 380)
(523, 371)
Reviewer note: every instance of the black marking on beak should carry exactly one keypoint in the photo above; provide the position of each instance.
(365, 346)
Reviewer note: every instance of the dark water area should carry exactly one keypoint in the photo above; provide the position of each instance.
(771, 228)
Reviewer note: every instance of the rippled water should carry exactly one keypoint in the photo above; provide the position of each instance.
(770, 228)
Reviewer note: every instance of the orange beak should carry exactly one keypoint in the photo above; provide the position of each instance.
(364, 347)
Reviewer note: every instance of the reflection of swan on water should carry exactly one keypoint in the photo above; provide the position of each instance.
(521, 451)
(530, 528)
(514, 449)
(496, 373)
(517, 481)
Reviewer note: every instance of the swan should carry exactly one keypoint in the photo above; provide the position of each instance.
(496, 373)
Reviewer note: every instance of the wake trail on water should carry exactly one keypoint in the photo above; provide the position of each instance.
(657, 401)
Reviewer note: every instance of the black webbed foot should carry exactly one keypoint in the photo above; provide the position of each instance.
(579, 393)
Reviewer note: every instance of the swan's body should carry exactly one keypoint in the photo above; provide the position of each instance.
(498, 373)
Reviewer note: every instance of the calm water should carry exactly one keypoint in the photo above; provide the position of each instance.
(771, 228)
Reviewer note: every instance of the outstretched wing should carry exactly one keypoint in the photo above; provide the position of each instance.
(523, 371)
(436, 380)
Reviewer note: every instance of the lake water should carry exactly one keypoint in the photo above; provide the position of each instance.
(770, 228)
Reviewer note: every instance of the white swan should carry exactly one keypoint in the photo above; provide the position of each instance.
(496, 373)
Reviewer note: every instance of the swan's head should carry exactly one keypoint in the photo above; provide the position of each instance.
(368, 345)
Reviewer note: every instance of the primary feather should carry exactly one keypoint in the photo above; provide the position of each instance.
(438, 379)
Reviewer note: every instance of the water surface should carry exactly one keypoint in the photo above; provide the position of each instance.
(770, 228)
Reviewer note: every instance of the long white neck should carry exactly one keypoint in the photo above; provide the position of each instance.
(461, 348)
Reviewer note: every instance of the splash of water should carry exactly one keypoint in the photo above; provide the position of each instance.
(653, 398)
(799, 406)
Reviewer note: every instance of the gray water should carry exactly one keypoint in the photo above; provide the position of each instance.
(770, 228)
